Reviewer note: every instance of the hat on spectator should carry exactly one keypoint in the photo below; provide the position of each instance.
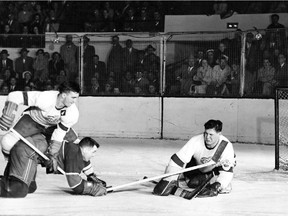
(150, 47)
(4, 52)
(40, 50)
(24, 50)
(26, 72)
(210, 50)
(85, 38)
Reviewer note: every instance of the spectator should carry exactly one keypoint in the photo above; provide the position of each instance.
(143, 23)
(38, 23)
(140, 60)
(251, 51)
(26, 79)
(211, 58)
(6, 75)
(24, 16)
(93, 88)
(13, 85)
(220, 74)
(141, 82)
(24, 40)
(233, 81)
(97, 19)
(23, 63)
(199, 58)
(275, 22)
(56, 64)
(96, 68)
(128, 83)
(152, 90)
(107, 25)
(282, 71)
(13, 24)
(62, 77)
(69, 54)
(107, 90)
(185, 75)
(6, 39)
(5, 61)
(265, 80)
(203, 77)
(157, 24)
(153, 79)
(4, 90)
(151, 61)
(114, 63)
(130, 56)
(40, 66)
(222, 50)
(88, 53)
(129, 24)
(51, 23)
(110, 11)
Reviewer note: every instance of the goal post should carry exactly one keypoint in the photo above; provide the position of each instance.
(281, 128)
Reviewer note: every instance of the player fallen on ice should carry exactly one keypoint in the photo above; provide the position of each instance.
(199, 150)
(73, 158)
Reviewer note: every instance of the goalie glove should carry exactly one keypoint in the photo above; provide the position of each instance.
(93, 178)
(210, 190)
(51, 164)
(8, 115)
(93, 189)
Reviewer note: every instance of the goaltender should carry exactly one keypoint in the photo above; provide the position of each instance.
(199, 150)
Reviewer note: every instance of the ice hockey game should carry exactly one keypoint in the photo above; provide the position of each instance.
(143, 108)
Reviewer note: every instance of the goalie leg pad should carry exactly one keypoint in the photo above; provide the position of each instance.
(93, 189)
(211, 190)
(164, 187)
(8, 141)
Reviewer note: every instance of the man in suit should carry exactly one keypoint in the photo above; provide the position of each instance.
(6, 63)
(130, 56)
(88, 53)
(282, 71)
(96, 69)
(23, 63)
(13, 24)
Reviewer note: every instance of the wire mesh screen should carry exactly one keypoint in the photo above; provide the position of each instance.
(282, 128)
(207, 65)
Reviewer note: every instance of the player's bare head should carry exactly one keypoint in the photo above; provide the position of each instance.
(67, 87)
(214, 124)
(88, 148)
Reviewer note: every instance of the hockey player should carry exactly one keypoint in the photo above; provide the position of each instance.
(199, 150)
(73, 158)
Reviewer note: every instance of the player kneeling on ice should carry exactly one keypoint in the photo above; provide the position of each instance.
(73, 158)
(208, 180)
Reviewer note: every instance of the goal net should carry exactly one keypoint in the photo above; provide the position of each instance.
(281, 129)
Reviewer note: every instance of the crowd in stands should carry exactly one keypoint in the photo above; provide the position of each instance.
(215, 70)
(37, 17)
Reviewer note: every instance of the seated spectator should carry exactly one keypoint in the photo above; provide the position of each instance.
(143, 22)
(129, 24)
(4, 89)
(61, 77)
(220, 74)
(25, 39)
(153, 79)
(24, 15)
(128, 83)
(13, 85)
(152, 90)
(185, 75)
(107, 25)
(202, 78)
(6, 39)
(141, 81)
(107, 89)
(6, 63)
(116, 90)
(138, 90)
(282, 71)
(13, 24)
(211, 57)
(27, 88)
(6, 75)
(233, 81)
(56, 64)
(23, 63)
(266, 78)
(157, 23)
(27, 79)
(37, 22)
(199, 57)
(51, 23)
(40, 66)
(222, 50)
(93, 88)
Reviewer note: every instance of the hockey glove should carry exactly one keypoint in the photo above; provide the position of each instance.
(211, 190)
(93, 178)
(8, 115)
(51, 164)
(94, 189)
(164, 187)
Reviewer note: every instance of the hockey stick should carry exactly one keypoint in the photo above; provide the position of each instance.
(34, 148)
(213, 161)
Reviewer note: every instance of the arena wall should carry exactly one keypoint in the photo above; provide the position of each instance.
(245, 120)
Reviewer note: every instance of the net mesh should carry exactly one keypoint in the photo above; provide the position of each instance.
(283, 128)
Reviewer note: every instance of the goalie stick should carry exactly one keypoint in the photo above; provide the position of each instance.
(213, 161)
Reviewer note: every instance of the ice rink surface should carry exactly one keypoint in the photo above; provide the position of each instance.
(257, 188)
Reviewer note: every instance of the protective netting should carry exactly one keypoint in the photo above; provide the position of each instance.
(282, 133)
